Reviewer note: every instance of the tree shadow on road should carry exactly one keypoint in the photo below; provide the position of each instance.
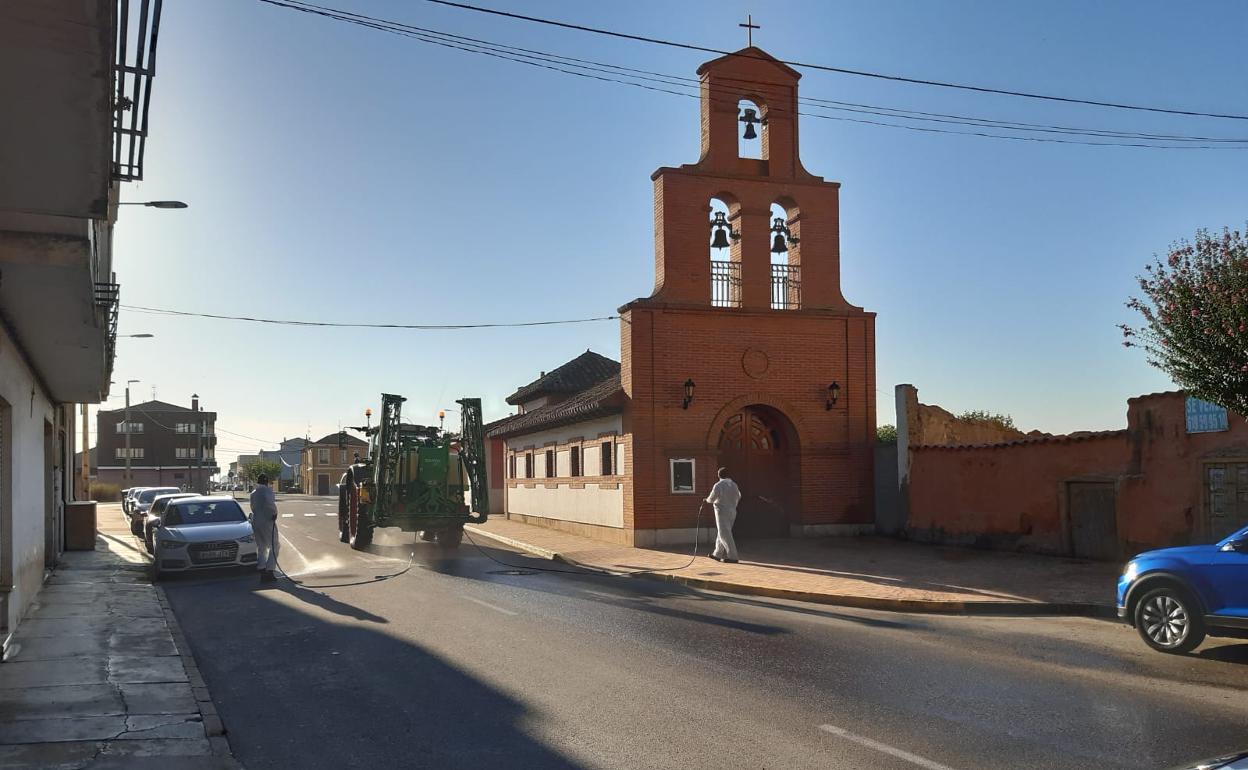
(296, 688)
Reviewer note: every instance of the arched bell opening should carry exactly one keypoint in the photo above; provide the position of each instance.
(786, 256)
(725, 252)
(750, 139)
(759, 447)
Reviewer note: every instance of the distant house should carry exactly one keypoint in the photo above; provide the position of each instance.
(325, 461)
(168, 445)
(289, 456)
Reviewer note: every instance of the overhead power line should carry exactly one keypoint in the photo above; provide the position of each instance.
(612, 73)
(347, 325)
(841, 70)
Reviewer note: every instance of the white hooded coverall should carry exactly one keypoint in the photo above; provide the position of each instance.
(264, 525)
(724, 496)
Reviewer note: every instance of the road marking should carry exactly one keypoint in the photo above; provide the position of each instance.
(309, 514)
(330, 514)
(287, 515)
(491, 606)
(884, 748)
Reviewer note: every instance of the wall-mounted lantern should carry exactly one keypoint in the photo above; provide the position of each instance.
(834, 392)
(688, 394)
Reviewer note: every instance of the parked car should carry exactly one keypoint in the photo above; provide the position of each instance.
(152, 520)
(127, 498)
(1176, 596)
(202, 533)
(142, 502)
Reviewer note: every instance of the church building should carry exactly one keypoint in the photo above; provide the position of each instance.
(746, 355)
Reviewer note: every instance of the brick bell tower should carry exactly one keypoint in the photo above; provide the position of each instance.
(747, 355)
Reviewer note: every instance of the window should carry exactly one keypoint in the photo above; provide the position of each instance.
(607, 456)
(186, 453)
(575, 454)
(550, 463)
(187, 427)
(511, 466)
(342, 456)
(682, 476)
(136, 453)
(528, 465)
(322, 456)
(210, 454)
(129, 427)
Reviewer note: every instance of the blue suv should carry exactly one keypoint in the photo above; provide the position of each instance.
(1176, 596)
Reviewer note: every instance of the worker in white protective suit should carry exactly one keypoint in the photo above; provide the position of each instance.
(264, 525)
(724, 496)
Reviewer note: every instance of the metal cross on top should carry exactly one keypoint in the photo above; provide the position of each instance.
(750, 26)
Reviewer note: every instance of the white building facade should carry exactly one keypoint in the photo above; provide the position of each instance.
(74, 128)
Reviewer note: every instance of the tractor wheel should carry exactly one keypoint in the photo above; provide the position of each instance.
(450, 538)
(361, 532)
(344, 513)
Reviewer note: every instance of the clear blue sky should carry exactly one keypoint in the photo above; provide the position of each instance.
(339, 173)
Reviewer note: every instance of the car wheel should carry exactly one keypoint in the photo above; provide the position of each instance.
(148, 540)
(1169, 621)
(136, 525)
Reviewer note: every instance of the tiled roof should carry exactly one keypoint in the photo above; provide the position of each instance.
(585, 370)
(599, 400)
(332, 439)
(152, 406)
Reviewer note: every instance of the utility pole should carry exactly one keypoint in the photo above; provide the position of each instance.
(127, 423)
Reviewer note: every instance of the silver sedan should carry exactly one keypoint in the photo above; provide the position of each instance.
(202, 533)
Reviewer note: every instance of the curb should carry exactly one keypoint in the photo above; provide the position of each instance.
(1074, 609)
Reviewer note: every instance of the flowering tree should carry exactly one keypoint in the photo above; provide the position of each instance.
(1195, 309)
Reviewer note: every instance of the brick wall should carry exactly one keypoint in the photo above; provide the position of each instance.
(1016, 495)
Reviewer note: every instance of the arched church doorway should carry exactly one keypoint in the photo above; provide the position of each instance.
(758, 446)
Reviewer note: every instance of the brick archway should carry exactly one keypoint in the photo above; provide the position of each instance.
(750, 399)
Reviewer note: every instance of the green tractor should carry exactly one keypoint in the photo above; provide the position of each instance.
(417, 478)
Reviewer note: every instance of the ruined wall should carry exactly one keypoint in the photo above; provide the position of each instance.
(1015, 495)
(930, 425)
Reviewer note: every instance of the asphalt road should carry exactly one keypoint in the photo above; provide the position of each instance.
(462, 663)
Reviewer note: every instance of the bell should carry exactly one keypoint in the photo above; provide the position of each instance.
(749, 119)
(720, 241)
(778, 246)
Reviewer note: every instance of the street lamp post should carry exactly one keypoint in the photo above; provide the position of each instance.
(127, 420)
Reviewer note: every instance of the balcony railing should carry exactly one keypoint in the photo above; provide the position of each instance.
(138, 25)
(108, 300)
(725, 283)
(786, 287)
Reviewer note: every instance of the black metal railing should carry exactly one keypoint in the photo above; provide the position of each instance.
(725, 283)
(138, 25)
(786, 287)
(108, 300)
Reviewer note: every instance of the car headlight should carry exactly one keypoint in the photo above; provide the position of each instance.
(172, 544)
(1131, 572)
(247, 539)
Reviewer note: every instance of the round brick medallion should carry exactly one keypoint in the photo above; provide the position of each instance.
(754, 363)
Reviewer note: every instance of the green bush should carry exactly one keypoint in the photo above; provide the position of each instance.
(105, 493)
(886, 434)
(979, 415)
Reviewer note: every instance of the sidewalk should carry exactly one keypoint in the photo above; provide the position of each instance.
(868, 572)
(99, 675)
